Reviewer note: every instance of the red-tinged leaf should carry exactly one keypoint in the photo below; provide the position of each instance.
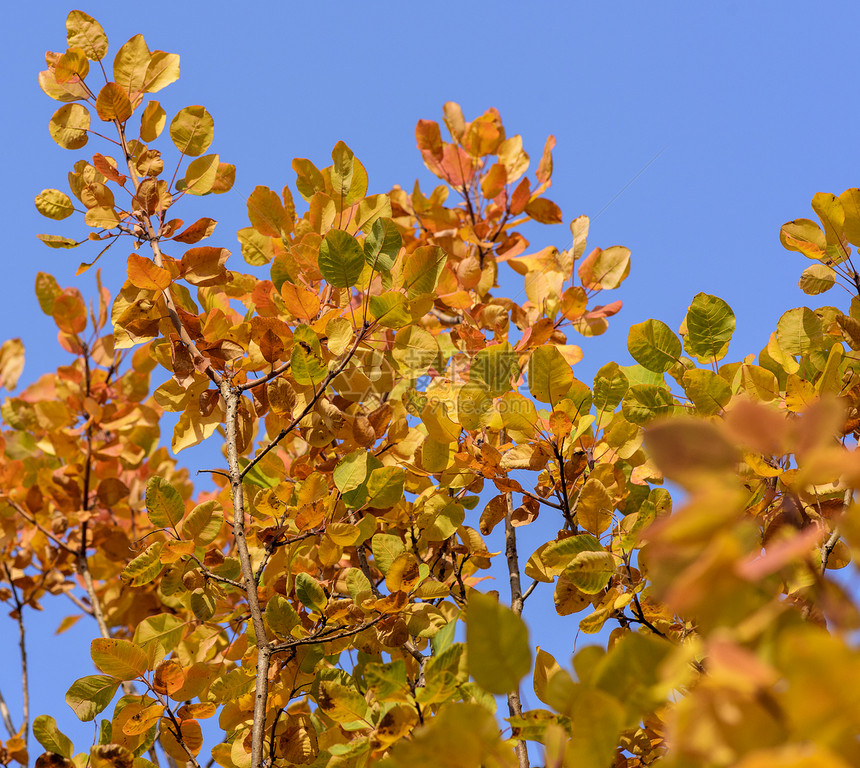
(225, 177)
(70, 312)
(457, 166)
(544, 211)
(300, 302)
(199, 230)
(107, 167)
(428, 138)
(494, 182)
(779, 554)
(113, 103)
(603, 310)
(520, 197)
(266, 213)
(544, 169)
(145, 274)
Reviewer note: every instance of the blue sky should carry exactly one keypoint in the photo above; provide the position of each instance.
(694, 130)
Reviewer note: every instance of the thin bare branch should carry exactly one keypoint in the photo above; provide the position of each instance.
(22, 646)
(7, 718)
(325, 637)
(263, 379)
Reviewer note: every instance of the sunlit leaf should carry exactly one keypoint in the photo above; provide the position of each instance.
(341, 259)
(69, 125)
(498, 645)
(90, 695)
(192, 130)
(653, 345)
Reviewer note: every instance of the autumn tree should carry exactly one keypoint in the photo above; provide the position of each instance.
(374, 396)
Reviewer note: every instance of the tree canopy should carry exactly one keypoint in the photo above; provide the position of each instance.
(381, 409)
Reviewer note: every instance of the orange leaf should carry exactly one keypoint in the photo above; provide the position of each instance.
(301, 303)
(113, 103)
(145, 274)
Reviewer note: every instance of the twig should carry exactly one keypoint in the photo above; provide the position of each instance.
(263, 379)
(517, 600)
(80, 603)
(32, 520)
(7, 718)
(830, 544)
(324, 637)
(22, 645)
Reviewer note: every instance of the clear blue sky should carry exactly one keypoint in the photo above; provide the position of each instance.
(748, 106)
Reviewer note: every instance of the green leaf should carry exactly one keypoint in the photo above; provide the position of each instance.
(709, 392)
(494, 367)
(281, 616)
(550, 375)
(165, 629)
(474, 405)
(52, 738)
(610, 386)
(385, 548)
(382, 245)
(145, 567)
(204, 523)
(119, 658)
(348, 177)
(351, 471)
(498, 645)
(591, 571)
(90, 695)
(385, 487)
(645, 402)
(310, 593)
(306, 362)
(47, 291)
(341, 259)
(164, 505)
(390, 309)
(710, 324)
(653, 345)
(422, 269)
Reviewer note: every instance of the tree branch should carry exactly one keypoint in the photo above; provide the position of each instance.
(232, 397)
